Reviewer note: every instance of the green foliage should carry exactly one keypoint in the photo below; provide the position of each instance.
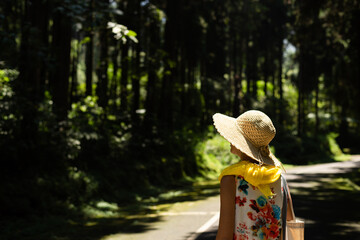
(333, 145)
(39, 174)
(87, 116)
(306, 150)
(122, 33)
(7, 77)
(213, 155)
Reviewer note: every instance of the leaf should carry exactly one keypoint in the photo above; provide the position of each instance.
(83, 108)
(134, 39)
(121, 31)
(118, 12)
(131, 33)
(111, 24)
(85, 40)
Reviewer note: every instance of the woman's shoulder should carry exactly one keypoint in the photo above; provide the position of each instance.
(228, 180)
(228, 183)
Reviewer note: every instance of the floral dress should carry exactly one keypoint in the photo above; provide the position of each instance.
(257, 217)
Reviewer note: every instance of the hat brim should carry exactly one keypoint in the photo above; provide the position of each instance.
(227, 128)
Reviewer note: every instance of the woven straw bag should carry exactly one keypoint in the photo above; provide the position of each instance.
(294, 229)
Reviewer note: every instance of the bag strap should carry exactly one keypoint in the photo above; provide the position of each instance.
(290, 202)
(286, 198)
(284, 206)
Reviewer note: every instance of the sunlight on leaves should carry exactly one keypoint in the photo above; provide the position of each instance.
(121, 32)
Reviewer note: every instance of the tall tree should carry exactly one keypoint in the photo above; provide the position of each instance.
(136, 71)
(153, 46)
(89, 55)
(61, 46)
(165, 112)
(33, 52)
(103, 64)
(124, 77)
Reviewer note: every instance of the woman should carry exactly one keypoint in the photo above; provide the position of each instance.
(250, 190)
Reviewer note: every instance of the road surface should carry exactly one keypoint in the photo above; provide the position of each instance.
(315, 200)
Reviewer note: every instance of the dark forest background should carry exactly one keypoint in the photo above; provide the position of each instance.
(108, 99)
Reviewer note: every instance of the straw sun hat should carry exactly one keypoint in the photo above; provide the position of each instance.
(251, 133)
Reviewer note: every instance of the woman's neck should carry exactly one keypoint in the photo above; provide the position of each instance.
(245, 157)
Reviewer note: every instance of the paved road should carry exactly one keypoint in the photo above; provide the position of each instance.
(181, 222)
(199, 220)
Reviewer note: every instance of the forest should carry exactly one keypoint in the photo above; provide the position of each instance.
(112, 100)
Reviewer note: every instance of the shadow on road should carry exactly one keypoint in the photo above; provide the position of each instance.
(330, 205)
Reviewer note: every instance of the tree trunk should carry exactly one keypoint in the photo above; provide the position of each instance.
(34, 43)
(114, 79)
(205, 107)
(248, 72)
(317, 108)
(150, 100)
(89, 56)
(103, 79)
(183, 83)
(273, 81)
(61, 47)
(254, 70)
(74, 64)
(238, 61)
(135, 82)
(266, 69)
(11, 19)
(301, 95)
(152, 64)
(89, 65)
(32, 70)
(124, 77)
(299, 115)
(280, 82)
(136, 70)
(167, 89)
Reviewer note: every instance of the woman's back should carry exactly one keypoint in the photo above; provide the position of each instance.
(256, 216)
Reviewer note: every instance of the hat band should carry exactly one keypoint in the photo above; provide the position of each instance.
(265, 151)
